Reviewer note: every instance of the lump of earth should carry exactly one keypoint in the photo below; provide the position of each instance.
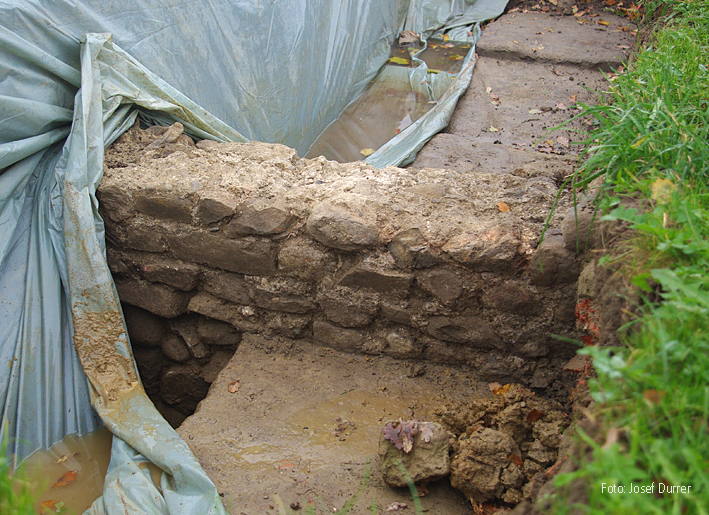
(427, 461)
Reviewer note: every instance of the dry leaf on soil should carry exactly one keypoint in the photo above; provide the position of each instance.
(516, 460)
(50, 506)
(67, 478)
(503, 207)
(367, 152)
(534, 415)
(234, 386)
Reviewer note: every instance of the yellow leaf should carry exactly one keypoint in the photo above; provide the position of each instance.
(603, 22)
(434, 70)
(445, 37)
(456, 57)
(503, 207)
(662, 190)
(398, 60)
(639, 142)
(493, 129)
(501, 390)
(367, 152)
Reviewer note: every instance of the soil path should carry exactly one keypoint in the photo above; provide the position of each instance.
(289, 424)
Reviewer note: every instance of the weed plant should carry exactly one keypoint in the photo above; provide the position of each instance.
(16, 497)
(652, 143)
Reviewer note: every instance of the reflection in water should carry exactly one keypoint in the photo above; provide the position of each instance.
(387, 106)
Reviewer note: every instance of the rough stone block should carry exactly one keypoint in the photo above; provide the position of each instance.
(401, 343)
(186, 327)
(216, 332)
(437, 351)
(216, 364)
(303, 258)
(281, 294)
(156, 298)
(144, 328)
(247, 256)
(115, 262)
(338, 228)
(410, 250)
(348, 308)
(260, 217)
(163, 205)
(143, 237)
(178, 274)
(214, 208)
(445, 285)
(552, 263)
(375, 273)
(465, 329)
(396, 314)
(175, 348)
(227, 286)
(330, 335)
(494, 249)
(288, 324)
(427, 461)
(115, 202)
(244, 318)
(183, 388)
(512, 297)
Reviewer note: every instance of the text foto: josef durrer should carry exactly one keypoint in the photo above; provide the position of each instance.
(660, 488)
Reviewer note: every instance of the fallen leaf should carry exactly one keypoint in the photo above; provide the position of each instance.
(234, 386)
(434, 70)
(579, 13)
(560, 106)
(456, 57)
(534, 415)
(391, 434)
(609, 2)
(516, 460)
(367, 152)
(67, 478)
(285, 465)
(501, 390)
(554, 2)
(557, 72)
(562, 141)
(426, 431)
(67, 456)
(448, 45)
(50, 507)
(604, 23)
(662, 190)
(535, 111)
(574, 9)
(493, 386)
(445, 37)
(408, 430)
(488, 90)
(573, 97)
(654, 396)
(493, 129)
(504, 208)
(395, 506)
(399, 60)
(407, 36)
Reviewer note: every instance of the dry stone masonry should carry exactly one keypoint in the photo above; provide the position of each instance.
(210, 241)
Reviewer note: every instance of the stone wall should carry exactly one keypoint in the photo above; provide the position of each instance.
(209, 241)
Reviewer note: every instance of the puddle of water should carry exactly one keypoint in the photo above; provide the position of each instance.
(377, 115)
(88, 456)
(387, 106)
(314, 435)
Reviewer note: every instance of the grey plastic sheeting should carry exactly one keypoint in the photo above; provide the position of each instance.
(72, 76)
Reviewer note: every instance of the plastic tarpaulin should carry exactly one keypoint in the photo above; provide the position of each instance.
(73, 76)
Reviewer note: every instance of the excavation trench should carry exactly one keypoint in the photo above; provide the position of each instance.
(303, 304)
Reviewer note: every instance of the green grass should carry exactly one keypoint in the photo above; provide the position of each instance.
(652, 143)
(16, 497)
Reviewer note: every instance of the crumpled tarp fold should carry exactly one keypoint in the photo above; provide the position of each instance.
(73, 77)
